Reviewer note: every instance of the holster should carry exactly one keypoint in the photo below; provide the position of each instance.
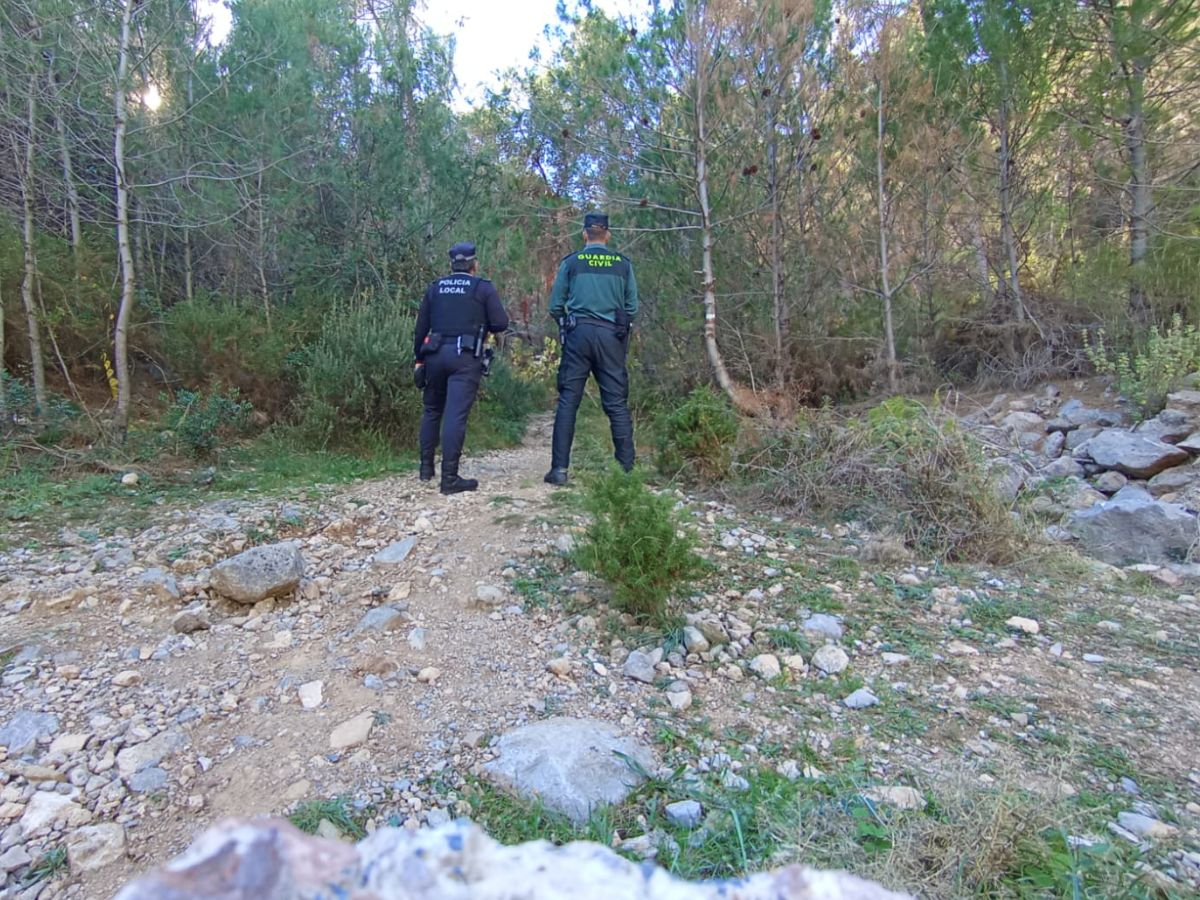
(623, 323)
(430, 345)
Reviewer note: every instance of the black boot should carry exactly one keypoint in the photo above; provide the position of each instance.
(427, 469)
(556, 476)
(451, 483)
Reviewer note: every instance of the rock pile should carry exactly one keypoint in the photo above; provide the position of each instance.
(270, 858)
(1127, 494)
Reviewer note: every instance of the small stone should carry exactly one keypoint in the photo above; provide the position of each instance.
(899, 797)
(830, 659)
(95, 846)
(639, 667)
(860, 699)
(191, 620)
(14, 858)
(1020, 719)
(958, 648)
(893, 659)
(824, 624)
(560, 667)
(45, 809)
(684, 813)
(795, 662)
(765, 666)
(20, 733)
(428, 675)
(1093, 658)
(127, 678)
(417, 639)
(67, 744)
(488, 596)
(1145, 826)
(394, 554)
(679, 700)
(130, 479)
(353, 732)
(694, 640)
(148, 780)
(1020, 623)
(311, 694)
(382, 619)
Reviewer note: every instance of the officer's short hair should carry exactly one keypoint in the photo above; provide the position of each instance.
(595, 224)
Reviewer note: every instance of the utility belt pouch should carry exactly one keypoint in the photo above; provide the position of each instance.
(430, 345)
(623, 323)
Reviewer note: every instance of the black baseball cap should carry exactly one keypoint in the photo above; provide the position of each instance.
(595, 220)
(463, 251)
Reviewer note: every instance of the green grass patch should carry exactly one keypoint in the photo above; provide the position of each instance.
(338, 811)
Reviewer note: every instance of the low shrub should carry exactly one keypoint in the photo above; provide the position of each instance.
(198, 423)
(208, 342)
(356, 378)
(1147, 375)
(901, 468)
(697, 438)
(636, 544)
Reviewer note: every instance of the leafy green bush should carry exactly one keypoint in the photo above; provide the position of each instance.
(698, 436)
(1147, 375)
(356, 378)
(635, 543)
(199, 422)
(902, 469)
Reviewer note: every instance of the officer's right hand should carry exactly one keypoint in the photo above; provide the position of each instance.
(419, 376)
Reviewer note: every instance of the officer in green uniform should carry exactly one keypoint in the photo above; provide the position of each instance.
(594, 300)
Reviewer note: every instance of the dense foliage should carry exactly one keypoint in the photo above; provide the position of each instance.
(821, 198)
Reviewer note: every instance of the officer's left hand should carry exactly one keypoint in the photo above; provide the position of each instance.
(419, 376)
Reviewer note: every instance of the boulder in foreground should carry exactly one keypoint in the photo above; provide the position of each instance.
(268, 859)
(259, 573)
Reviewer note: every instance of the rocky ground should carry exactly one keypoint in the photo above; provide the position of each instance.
(139, 707)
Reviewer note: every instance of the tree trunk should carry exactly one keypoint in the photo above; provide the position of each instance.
(741, 398)
(1007, 234)
(124, 250)
(262, 249)
(779, 304)
(1141, 200)
(188, 289)
(64, 150)
(29, 280)
(885, 278)
(983, 269)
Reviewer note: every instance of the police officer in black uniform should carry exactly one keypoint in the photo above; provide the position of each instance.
(594, 300)
(457, 313)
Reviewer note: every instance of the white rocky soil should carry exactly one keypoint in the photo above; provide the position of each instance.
(139, 707)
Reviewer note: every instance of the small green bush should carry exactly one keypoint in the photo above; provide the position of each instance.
(200, 422)
(698, 436)
(1147, 375)
(356, 378)
(635, 543)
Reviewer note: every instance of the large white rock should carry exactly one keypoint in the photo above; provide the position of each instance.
(570, 765)
(45, 809)
(95, 846)
(259, 572)
(455, 861)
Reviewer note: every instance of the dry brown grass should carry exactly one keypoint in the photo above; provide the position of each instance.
(901, 468)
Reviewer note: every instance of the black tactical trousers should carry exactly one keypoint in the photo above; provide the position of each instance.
(592, 348)
(453, 381)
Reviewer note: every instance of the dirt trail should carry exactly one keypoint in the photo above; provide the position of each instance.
(954, 688)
